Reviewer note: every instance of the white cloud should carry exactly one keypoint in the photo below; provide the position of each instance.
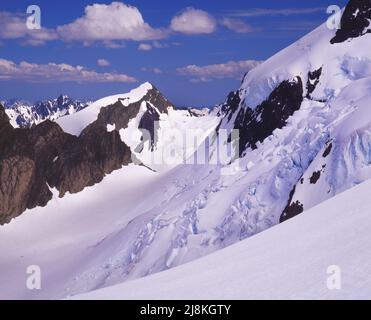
(13, 26)
(103, 63)
(113, 44)
(53, 72)
(156, 70)
(116, 21)
(158, 45)
(231, 69)
(276, 12)
(112, 24)
(193, 21)
(236, 25)
(149, 46)
(145, 47)
(152, 70)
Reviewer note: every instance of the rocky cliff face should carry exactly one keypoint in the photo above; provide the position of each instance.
(25, 158)
(42, 157)
(355, 21)
(255, 125)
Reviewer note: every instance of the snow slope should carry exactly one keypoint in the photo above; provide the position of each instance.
(289, 261)
(341, 64)
(61, 238)
(210, 209)
(173, 128)
(344, 161)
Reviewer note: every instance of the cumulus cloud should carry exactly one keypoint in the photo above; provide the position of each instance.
(53, 72)
(231, 69)
(112, 24)
(145, 47)
(13, 26)
(115, 21)
(236, 25)
(103, 63)
(193, 21)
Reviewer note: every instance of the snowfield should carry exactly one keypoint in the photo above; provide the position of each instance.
(289, 261)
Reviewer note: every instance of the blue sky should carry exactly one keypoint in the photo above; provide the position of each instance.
(158, 41)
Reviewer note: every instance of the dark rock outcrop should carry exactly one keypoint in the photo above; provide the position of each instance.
(315, 177)
(292, 209)
(355, 21)
(313, 80)
(148, 122)
(258, 124)
(156, 104)
(231, 105)
(26, 156)
(327, 150)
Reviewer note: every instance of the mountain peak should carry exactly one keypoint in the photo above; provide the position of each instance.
(63, 99)
(146, 86)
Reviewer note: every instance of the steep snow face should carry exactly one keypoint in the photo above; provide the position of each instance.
(178, 131)
(335, 80)
(335, 233)
(309, 54)
(24, 114)
(345, 159)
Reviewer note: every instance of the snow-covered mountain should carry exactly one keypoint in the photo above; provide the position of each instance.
(146, 122)
(117, 215)
(25, 114)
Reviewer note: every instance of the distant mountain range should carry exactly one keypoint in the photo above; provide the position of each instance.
(25, 114)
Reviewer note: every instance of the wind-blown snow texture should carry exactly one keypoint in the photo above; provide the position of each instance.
(315, 145)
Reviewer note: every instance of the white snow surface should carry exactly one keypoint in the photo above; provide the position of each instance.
(289, 261)
(61, 238)
(173, 128)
